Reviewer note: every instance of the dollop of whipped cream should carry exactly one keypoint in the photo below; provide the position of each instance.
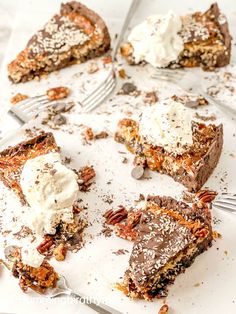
(156, 40)
(169, 125)
(50, 189)
(30, 256)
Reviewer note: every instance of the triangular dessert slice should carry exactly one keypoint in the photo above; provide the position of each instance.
(199, 39)
(72, 36)
(170, 235)
(13, 159)
(189, 164)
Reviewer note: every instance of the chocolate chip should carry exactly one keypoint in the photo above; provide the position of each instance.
(137, 172)
(128, 88)
(62, 107)
(191, 103)
(53, 171)
(59, 119)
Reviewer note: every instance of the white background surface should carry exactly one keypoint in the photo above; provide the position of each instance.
(214, 271)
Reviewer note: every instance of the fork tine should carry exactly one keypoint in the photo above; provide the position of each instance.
(169, 71)
(100, 88)
(36, 106)
(225, 202)
(163, 78)
(101, 97)
(231, 209)
(167, 75)
(27, 102)
(110, 73)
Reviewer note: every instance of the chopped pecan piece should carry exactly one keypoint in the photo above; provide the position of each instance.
(216, 235)
(88, 134)
(134, 219)
(92, 68)
(85, 175)
(140, 161)
(205, 196)
(114, 217)
(57, 93)
(122, 73)
(60, 252)
(202, 233)
(102, 134)
(77, 209)
(45, 245)
(107, 60)
(126, 232)
(164, 309)
(150, 98)
(17, 98)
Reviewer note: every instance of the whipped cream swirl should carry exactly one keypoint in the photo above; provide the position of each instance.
(156, 40)
(168, 125)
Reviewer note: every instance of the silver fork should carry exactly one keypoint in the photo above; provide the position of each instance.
(226, 202)
(191, 84)
(26, 109)
(61, 287)
(106, 87)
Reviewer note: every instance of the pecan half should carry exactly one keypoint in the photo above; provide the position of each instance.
(45, 245)
(126, 232)
(134, 219)
(85, 175)
(88, 134)
(102, 134)
(17, 98)
(202, 233)
(60, 252)
(57, 93)
(114, 217)
(205, 196)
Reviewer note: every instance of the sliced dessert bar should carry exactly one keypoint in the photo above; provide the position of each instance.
(170, 235)
(34, 171)
(198, 39)
(13, 159)
(191, 166)
(72, 36)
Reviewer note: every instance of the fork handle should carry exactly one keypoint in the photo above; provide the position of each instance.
(133, 6)
(101, 309)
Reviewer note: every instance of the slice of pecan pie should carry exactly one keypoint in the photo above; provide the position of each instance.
(68, 235)
(206, 41)
(72, 36)
(191, 168)
(13, 159)
(168, 236)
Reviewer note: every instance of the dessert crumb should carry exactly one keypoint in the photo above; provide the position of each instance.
(164, 309)
(17, 98)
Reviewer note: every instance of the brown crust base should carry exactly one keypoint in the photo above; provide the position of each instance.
(205, 167)
(223, 59)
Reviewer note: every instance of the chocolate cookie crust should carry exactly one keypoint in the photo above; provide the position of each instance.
(171, 234)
